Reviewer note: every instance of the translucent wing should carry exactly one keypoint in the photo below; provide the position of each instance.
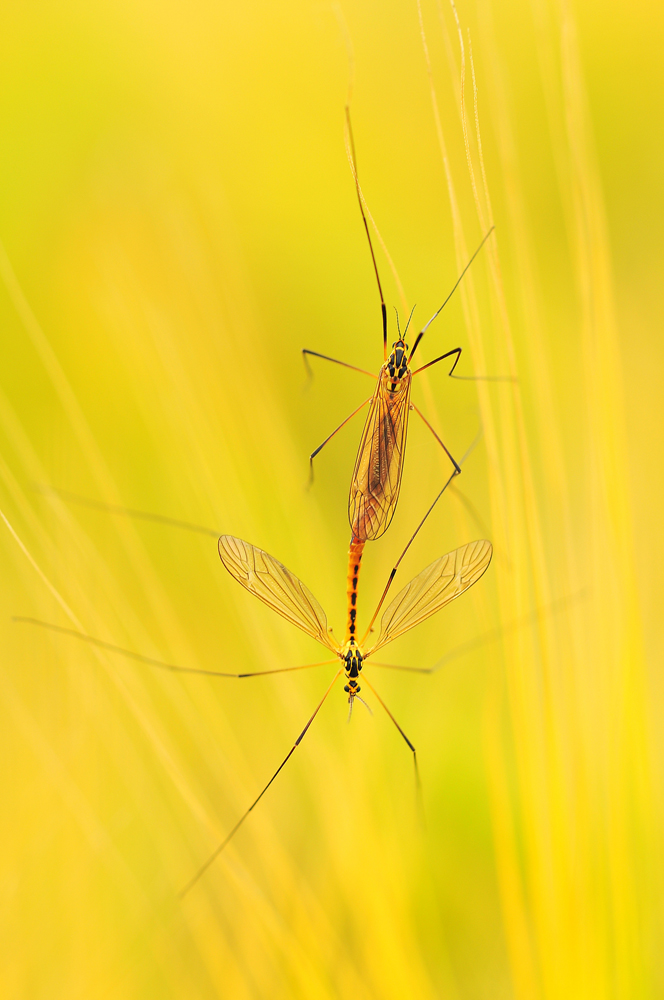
(374, 487)
(261, 574)
(433, 588)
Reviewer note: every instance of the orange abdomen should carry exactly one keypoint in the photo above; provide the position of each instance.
(354, 564)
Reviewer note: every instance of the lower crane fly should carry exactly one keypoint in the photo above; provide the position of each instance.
(264, 576)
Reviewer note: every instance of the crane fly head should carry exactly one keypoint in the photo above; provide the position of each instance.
(352, 658)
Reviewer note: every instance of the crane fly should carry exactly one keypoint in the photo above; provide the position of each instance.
(264, 576)
(376, 479)
(445, 579)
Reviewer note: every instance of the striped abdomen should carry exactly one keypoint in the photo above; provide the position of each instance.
(354, 565)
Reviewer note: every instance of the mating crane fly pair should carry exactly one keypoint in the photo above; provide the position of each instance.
(374, 492)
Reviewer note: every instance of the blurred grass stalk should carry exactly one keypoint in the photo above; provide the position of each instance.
(571, 786)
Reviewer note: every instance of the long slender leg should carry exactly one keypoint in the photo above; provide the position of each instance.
(472, 510)
(407, 670)
(440, 442)
(353, 163)
(465, 378)
(456, 285)
(125, 511)
(215, 854)
(455, 489)
(160, 663)
(330, 436)
(491, 635)
(461, 496)
(410, 745)
(418, 784)
(335, 361)
(396, 565)
(500, 631)
(448, 354)
(484, 378)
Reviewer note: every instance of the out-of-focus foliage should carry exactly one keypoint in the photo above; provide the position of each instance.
(178, 221)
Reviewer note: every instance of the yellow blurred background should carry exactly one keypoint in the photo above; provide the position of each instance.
(178, 221)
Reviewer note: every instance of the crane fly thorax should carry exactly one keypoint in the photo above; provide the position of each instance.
(352, 658)
(396, 366)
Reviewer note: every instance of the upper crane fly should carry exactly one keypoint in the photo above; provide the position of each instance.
(376, 479)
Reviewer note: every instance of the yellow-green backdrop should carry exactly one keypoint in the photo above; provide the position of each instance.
(178, 220)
